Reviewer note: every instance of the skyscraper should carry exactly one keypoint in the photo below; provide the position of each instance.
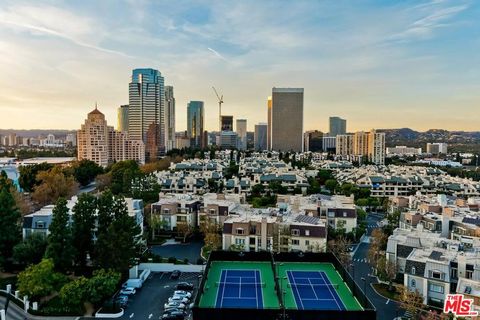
(260, 137)
(269, 122)
(337, 126)
(287, 119)
(195, 120)
(122, 116)
(313, 141)
(170, 118)
(376, 147)
(146, 104)
(227, 123)
(242, 133)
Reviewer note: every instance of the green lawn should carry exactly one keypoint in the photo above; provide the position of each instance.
(350, 302)
(209, 296)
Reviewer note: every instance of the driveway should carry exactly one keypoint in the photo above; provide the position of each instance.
(190, 250)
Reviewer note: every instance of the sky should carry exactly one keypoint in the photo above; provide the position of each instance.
(379, 64)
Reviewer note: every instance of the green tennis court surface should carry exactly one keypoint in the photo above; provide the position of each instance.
(314, 286)
(239, 285)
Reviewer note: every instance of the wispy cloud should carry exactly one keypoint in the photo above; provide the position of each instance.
(215, 52)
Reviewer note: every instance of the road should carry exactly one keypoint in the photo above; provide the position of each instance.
(386, 309)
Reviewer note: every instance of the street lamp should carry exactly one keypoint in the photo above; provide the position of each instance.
(353, 270)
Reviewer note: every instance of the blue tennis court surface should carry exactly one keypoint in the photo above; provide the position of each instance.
(240, 289)
(314, 291)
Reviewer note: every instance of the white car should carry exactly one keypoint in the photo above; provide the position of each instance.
(128, 291)
(178, 299)
(182, 293)
(177, 305)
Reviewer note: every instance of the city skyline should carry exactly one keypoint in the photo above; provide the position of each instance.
(376, 64)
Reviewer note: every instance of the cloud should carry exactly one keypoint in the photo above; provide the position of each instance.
(217, 54)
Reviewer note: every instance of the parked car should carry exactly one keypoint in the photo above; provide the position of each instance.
(174, 311)
(128, 291)
(185, 286)
(133, 283)
(175, 274)
(177, 305)
(182, 293)
(122, 300)
(178, 299)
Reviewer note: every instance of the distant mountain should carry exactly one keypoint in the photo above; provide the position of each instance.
(409, 137)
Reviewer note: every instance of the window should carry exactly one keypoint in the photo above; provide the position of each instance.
(413, 283)
(331, 214)
(295, 242)
(413, 270)
(166, 211)
(454, 273)
(436, 275)
(252, 241)
(469, 274)
(213, 211)
(307, 232)
(307, 242)
(295, 232)
(344, 214)
(435, 288)
(239, 242)
(239, 231)
(40, 225)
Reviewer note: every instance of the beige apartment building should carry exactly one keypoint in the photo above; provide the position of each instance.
(100, 143)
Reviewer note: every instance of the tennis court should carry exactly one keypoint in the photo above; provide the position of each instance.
(315, 286)
(313, 290)
(247, 285)
(240, 288)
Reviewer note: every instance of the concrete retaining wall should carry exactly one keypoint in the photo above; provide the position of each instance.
(164, 267)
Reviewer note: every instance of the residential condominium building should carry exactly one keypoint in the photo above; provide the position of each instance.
(344, 144)
(363, 146)
(404, 150)
(286, 123)
(437, 148)
(146, 104)
(172, 210)
(169, 118)
(98, 142)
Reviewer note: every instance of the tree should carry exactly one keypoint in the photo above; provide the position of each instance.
(378, 243)
(60, 248)
(183, 230)
(31, 250)
(122, 174)
(340, 248)
(85, 171)
(28, 175)
(9, 219)
(53, 184)
(82, 228)
(40, 280)
(411, 301)
(331, 185)
(116, 246)
(103, 181)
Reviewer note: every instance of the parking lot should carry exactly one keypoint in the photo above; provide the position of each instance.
(148, 302)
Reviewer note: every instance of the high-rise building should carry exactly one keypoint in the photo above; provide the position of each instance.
(260, 137)
(337, 126)
(71, 139)
(182, 140)
(12, 139)
(269, 123)
(227, 123)
(228, 140)
(152, 146)
(313, 141)
(195, 121)
(287, 119)
(242, 133)
(344, 144)
(170, 118)
(376, 147)
(146, 104)
(98, 142)
(122, 118)
(361, 143)
(92, 139)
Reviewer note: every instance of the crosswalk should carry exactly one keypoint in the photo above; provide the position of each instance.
(364, 260)
(373, 226)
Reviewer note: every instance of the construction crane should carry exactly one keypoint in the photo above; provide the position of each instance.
(220, 101)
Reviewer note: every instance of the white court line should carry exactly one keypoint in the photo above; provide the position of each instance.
(321, 275)
(223, 291)
(298, 293)
(256, 295)
(240, 289)
(311, 286)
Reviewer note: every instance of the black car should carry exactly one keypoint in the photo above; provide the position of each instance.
(175, 274)
(185, 286)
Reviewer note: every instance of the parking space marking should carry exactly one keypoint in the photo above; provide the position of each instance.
(131, 316)
(387, 301)
(150, 316)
